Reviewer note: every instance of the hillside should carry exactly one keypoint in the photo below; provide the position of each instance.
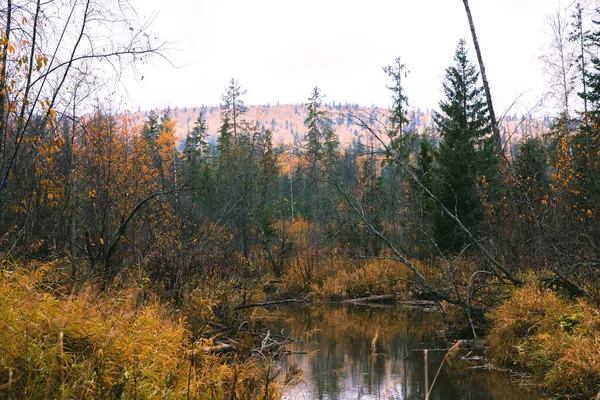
(286, 121)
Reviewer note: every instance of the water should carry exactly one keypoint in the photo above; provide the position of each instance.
(363, 352)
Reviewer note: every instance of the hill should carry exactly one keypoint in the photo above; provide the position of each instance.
(286, 121)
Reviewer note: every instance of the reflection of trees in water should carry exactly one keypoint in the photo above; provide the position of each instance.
(340, 321)
(374, 353)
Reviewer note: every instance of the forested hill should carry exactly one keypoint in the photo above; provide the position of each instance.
(287, 120)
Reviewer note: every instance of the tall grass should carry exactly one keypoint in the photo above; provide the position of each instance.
(338, 278)
(88, 344)
(555, 338)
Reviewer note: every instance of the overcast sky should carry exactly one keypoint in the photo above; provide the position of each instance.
(280, 49)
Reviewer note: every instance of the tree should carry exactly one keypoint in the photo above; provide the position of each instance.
(196, 147)
(400, 101)
(486, 85)
(151, 129)
(321, 139)
(321, 152)
(160, 139)
(45, 46)
(578, 36)
(464, 156)
(559, 63)
(232, 106)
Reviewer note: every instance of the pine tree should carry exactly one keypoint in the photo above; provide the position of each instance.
(466, 153)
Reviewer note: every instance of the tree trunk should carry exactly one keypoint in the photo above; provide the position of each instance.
(386, 298)
(486, 86)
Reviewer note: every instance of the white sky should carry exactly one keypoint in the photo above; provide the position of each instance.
(280, 49)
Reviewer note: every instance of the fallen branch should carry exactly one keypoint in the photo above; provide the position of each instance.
(386, 298)
(268, 303)
(218, 348)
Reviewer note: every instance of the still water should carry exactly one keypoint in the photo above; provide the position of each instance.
(362, 352)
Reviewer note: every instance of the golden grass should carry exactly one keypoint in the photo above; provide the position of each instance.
(337, 278)
(554, 338)
(108, 345)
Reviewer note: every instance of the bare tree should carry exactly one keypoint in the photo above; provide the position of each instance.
(486, 85)
(559, 62)
(46, 44)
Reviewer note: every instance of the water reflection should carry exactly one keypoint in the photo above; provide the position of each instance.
(360, 352)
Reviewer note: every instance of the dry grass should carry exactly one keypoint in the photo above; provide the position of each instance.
(337, 278)
(109, 344)
(554, 338)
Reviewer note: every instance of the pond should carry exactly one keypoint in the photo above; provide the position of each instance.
(365, 352)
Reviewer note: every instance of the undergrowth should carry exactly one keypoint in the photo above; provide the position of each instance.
(120, 343)
(555, 338)
(336, 278)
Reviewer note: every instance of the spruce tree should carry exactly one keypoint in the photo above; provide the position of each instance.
(196, 145)
(151, 129)
(196, 152)
(233, 107)
(583, 144)
(400, 101)
(466, 153)
(322, 153)
(322, 142)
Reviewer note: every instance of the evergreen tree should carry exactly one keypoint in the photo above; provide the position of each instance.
(578, 35)
(233, 107)
(583, 144)
(531, 166)
(151, 131)
(196, 145)
(400, 101)
(322, 153)
(196, 151)
(322, 142)
(466, 152)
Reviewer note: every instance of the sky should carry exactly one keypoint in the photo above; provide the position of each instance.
(279, 50)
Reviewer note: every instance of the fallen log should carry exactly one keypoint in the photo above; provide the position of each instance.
(386, 298)
(218, 348)
(268, 303)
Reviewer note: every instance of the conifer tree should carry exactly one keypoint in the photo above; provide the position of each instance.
(583, 144)
(196, 146)
(233, 107)
(322, 153)
(466, 153)
(151, 129)
(400, 101)
(322, 142)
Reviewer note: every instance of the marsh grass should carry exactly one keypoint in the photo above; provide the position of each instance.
(339, 278)
(555, 338)
(79, 342)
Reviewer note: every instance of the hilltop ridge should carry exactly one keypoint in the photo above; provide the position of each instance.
(286, 121)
